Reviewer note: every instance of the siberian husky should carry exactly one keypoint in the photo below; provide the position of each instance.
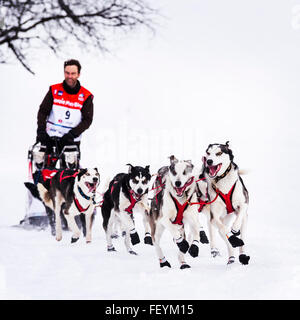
(229, 198)
(71, 192)
(126, 193)
(170, 209)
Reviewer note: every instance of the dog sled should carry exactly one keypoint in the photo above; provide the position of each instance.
(42, 165)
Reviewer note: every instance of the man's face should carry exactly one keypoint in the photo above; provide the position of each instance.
(71, 75)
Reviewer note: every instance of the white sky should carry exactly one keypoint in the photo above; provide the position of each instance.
(215, 71)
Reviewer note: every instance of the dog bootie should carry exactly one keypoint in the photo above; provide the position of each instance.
(111, 248)
(194, 250)
(148, 239)
(185, 266)
(74, 240)
(215, 252)
(182, 244)
(234, 240)
(244, 259)
(164, 263)
(203, 237)
(135, 239)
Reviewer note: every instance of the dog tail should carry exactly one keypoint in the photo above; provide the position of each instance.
(45, 195)
(106, 208)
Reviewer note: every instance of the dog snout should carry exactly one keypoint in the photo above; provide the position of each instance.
(209, 162)
(95, 179)
(178, 183)
(139, 190)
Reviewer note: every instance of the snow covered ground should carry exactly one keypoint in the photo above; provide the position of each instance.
(216, 71)
(35, 266)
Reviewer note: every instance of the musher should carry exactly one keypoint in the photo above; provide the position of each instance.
(64, 114)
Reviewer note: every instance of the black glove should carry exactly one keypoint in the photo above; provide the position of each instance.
(43, 137)
(66, 139)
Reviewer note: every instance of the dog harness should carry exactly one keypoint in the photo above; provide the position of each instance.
(66, 110)
(180, 209)
(66, 176)
(227, 198)
(49, 174)
(133, 200)
(223, 175)
(78, 206)
(199, 193)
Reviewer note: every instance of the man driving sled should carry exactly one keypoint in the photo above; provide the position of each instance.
(64, 114)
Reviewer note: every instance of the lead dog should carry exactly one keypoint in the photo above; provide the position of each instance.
(229, 200)
(71, 192)
(170, 210)
(126, 193)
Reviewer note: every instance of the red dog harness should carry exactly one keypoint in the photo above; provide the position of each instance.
(227, 198)
(49, 174)
(78, 206)
(180, 209)
(133, 200)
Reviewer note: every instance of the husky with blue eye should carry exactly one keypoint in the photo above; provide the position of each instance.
(229, 200)
(127, 193)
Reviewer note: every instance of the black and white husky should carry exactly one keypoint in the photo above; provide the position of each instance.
(71, 192)
(126, 193)
(171, 210)
(229, 198)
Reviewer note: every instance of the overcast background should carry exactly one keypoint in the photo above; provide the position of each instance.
(214, 71)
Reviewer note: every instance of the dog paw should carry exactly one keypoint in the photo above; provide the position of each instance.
(135, 239)
(244, 259)
(215, 252)
(132, 252)
(110, 249)
(183, 245)
(165, 264)
(184, 266)
(58, 238)
(74, 240)
(203, 237)
(194, 251)
(231, 260)
(235, 241)
(148, 240)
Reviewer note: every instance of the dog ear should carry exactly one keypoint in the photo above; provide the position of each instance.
(147, 168)
(96, 170)
(204, 160)
(173, 159)
(228, 150)
(81, 173)
(130, 167)
(189, 163)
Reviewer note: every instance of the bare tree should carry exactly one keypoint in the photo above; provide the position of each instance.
(25, 24)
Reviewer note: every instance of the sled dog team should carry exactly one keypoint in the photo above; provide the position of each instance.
(173, 203)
